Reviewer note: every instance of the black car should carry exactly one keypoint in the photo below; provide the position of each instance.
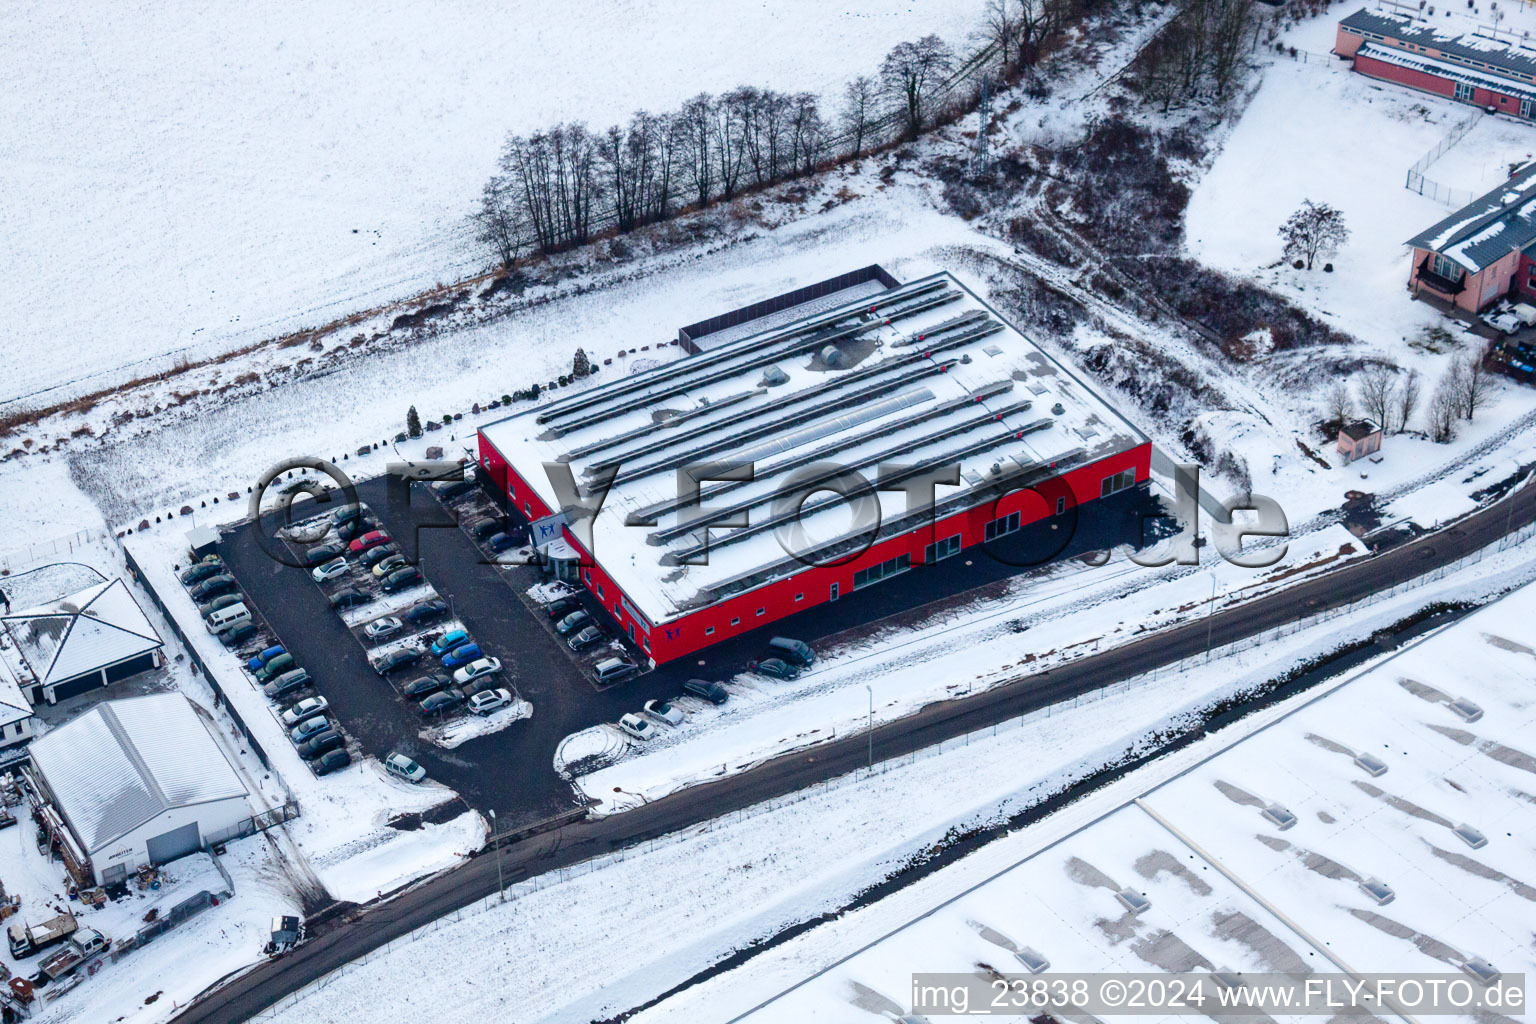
(331, 761)
(207, 608)
(425, 686)
(400, 579)
(445, 700)
(201, 571)
(712, 692)
(499, 542)
(394, 661)
(319, 743)
(322, 553)
(233, 638)
(777, 668)
(586, 638)
(486, 527)
(373, 556)
(563, 607)
(426, 611)
(578, 619)
(349, 597)
(346, 514)
(452, 488)
(355, 528)
(213, 586)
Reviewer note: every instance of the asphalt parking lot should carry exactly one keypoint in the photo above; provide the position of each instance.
(511, 771)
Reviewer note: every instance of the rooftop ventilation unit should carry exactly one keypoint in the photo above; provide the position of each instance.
(1279, 817)
(1471, 836)
(1133, 901)
(1372, 765)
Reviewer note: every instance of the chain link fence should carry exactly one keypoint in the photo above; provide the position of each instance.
(1417, 182)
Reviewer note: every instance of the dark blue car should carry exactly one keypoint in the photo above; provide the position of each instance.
(265, 656)
(462, 655)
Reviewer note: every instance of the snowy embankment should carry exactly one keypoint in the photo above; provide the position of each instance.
(674, 907)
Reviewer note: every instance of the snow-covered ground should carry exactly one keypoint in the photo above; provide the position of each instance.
(193, 177)
(617, 934)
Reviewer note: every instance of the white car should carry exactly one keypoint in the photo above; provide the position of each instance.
(477, 668)
(1526, 312)
(637, 727)
(403, 767)
(664, 712)
(1506, 321)
(486, 701)
(380, 628)
(306, 708)
(330, 570)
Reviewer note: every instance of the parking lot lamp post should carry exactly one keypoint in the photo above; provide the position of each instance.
(501, 891)
(871, 729)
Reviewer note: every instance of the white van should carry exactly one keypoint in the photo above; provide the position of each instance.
(228, 618)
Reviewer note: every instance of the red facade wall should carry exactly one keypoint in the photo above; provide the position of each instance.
(1346, 43)
(1406, 76)
(813, 586)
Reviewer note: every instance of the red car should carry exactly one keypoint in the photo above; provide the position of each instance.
(368, 540)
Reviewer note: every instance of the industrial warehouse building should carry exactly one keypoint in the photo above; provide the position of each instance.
(83, 641)
(823, 391)
(134, 782)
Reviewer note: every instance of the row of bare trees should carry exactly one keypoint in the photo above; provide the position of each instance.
(555, 189)
(1199, 52)
(1389, 396)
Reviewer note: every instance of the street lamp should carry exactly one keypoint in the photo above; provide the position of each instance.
(1209, 614)
(501, 891)
(871, 729)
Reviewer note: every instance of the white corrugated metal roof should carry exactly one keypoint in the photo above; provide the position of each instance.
(99, 626)
(125, 761)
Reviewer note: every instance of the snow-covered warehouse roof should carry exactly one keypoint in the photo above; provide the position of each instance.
(1472, 50)
(1488, 228)
(84, 632)
(126, 761)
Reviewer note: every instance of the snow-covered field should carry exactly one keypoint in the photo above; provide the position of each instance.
(187, 178)
(617, 934)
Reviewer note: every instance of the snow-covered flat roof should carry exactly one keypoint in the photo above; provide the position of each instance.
(928, 374)
(125, 761)
(1233, 890)
(97, 627)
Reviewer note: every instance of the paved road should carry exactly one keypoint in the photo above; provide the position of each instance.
(267, 983)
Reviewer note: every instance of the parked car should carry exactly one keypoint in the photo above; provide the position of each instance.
(462, 655)
(448, 641)
(287, 684)
(237, 635)
(207, 608)
(572, 622)
(442, 701)
(275, 667)
(486, 701)
(213, 586)
(795, 652)
(1526, 312)
(373, 556)
(453, 488)
(201, 571)
(637, 727)
(706, 690)
(425, 686)
(663, 712)
(1504, 321)
(320, 743)
(389, 565)
(394, 661)
(777, 668)
(354, 528)
(560, 609)
(331, 761)
(322, 553)
(309, 727)
(611, 670)
(346, 514)
(331, 570)
(380, 628)
(309, 707)
(588, 636)
(372, 539)
(499, 542)
(348, 598)
(425, 611)
(476, 669)
(486, 527)
(400, 579)
(403, 767)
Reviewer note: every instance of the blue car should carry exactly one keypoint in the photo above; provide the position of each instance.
(265, 656)
(462, 655)
(449, 642)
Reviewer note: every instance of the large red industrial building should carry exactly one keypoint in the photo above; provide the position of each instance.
(856, 378)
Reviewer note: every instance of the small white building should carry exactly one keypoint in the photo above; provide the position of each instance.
(82, 641)
(139, 781)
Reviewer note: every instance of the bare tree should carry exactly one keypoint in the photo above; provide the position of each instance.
(1338, 405)
(1470, 383)
(1001, 29)
(860, 100)
(695, 124)
(911, 71)
(1444, 407)
(496, 221)
(1376, 386)
(1035, 21)
(1407, 398)
(1316, 229)
(1230, 31)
